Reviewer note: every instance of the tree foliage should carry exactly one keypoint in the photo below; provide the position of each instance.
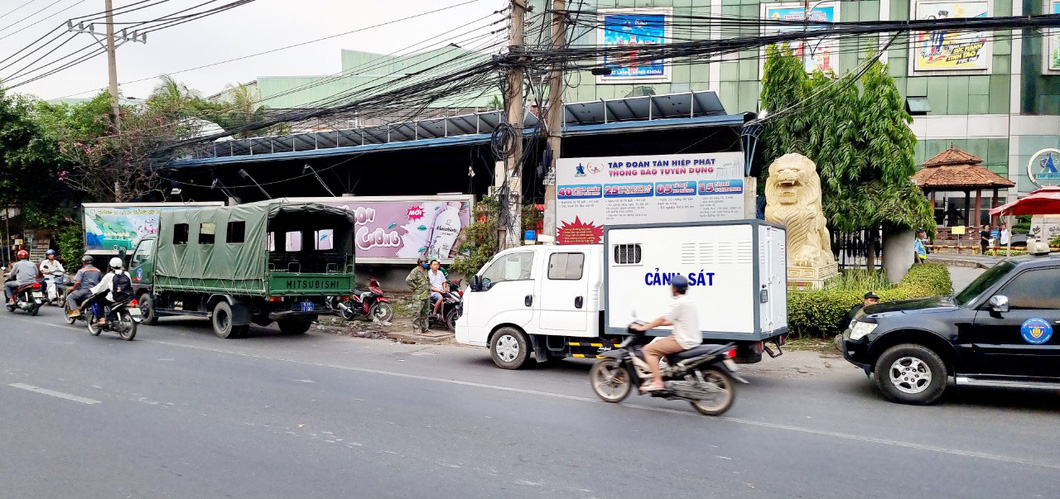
(857, 132)
(28, 159)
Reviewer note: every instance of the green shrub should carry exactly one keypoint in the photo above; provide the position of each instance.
(820, 313)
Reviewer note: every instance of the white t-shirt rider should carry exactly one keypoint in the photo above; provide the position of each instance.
(682, 313)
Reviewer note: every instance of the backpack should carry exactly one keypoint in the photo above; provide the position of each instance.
(123, 290)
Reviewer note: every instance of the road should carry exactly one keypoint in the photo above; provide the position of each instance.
(180, 413)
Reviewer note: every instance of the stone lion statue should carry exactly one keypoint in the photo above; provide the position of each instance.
(793, 199)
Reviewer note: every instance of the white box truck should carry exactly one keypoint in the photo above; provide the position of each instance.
(553, 302)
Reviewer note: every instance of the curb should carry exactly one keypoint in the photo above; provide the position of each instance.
(428, 338)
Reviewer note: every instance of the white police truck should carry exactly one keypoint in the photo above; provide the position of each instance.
(553, 302)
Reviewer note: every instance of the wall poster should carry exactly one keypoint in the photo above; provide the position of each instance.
(634, 28)
(951, 51)
(820, 54)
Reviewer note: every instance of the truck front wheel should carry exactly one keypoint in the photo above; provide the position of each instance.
(147, 309)
(294, 326)
(222, 322)
(509, 348)
(911, 374)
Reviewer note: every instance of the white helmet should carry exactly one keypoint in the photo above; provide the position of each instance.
(115, 263)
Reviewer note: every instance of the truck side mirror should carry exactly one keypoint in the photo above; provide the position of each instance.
(998, 304)
(475, 283)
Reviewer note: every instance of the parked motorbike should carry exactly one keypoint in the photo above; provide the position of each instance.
(28, 298)
(704, 375)
(55, 288)
(122, 319)
(452, 308)
(372, 304)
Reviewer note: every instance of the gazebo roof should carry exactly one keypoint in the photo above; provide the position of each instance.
(956, 169)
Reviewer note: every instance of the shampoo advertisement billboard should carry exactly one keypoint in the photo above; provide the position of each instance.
(665, 188)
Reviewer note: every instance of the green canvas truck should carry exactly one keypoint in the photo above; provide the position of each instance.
(258, 263)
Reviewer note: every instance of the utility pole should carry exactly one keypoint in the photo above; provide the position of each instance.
(513, 163)
(555, 115)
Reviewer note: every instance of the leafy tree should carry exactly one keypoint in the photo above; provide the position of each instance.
(28, 159)
(481, 242)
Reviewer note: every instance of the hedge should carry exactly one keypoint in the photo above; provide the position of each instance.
(819, 313)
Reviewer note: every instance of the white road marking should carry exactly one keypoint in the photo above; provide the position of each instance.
(53, 393)
(578, 398)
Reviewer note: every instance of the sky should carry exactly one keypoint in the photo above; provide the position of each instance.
(247, 29)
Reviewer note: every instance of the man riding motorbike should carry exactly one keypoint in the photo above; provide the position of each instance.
(23, 272)
(683, 317)
(84, 280)
(48, 267)
(117, 285)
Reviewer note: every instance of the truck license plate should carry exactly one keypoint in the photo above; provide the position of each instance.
(307, 306)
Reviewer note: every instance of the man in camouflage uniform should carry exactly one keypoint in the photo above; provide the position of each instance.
(421, 287)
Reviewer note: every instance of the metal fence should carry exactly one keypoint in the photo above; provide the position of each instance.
(851, 249)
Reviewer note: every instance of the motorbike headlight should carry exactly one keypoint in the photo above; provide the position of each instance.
(860, 329)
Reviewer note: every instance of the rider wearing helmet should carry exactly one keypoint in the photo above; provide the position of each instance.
(683, 317)
(48, 268)
(114, 294)
(84, 280)
(23, 272)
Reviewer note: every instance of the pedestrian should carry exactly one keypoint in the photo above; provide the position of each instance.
(1004, 236)
(421, 288)
(984, 239)
(919, 248)
(869, 299)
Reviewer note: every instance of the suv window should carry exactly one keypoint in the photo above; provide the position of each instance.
(566, 266)
(978, 286)
(513, 267)
(1034, 289)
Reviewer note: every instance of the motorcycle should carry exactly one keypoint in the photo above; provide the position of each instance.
(55, 287)
(122, 319)
(28, 298)
(452, 308)
(372, 304)
(704, 376)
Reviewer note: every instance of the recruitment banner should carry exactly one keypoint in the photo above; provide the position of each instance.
(633, 28)
(820, 54)
(111, 227)
(665, 188)
(947, 50)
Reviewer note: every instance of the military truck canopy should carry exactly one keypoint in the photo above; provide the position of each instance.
(232, 248)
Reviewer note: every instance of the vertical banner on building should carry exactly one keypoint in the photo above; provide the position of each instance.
(951, 51)
(1052, 42)
(594, 192)
(633, 29)
(821, 54)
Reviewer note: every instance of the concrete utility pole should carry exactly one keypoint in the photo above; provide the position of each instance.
(555, 115)
(112, 68)
(513, 163)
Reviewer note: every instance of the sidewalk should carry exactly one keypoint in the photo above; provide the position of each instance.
(974, 261)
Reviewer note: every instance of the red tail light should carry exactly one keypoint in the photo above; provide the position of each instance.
(36, 285)
(344, 298)
(275, 299)
(731, 354)
(133, 304)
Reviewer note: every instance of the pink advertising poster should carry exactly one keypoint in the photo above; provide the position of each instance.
(401, 229)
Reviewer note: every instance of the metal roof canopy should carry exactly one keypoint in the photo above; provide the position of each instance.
(646, 108)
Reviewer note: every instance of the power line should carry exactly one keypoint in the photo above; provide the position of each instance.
(28, 26)
(12, 11)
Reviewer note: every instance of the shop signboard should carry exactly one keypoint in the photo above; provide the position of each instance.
(664, 188)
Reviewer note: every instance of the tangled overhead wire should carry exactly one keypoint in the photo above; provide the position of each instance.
(502, 142)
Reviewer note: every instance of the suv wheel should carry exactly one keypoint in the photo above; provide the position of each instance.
(911, 374)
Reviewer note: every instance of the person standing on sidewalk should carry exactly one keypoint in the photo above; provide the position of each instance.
(984, 239)
(421, 287)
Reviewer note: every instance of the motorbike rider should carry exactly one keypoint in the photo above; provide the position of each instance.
(683, 317)
(439, 286)
(85, 278)
(23, 272)
(113, 283)
(48, 267)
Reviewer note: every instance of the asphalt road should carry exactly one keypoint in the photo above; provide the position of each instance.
(180, 413)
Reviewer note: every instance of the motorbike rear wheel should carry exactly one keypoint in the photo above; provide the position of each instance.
(127, 328)
(35, 309)
(381, 311)
(723, 395)
(451, 318)
(611, 381)
(91, 319)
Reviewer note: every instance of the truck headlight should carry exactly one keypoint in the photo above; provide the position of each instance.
(861, 329)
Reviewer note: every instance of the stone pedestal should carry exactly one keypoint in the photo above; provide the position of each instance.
(811, 277)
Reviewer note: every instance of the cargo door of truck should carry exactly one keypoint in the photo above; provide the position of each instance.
(564, 293)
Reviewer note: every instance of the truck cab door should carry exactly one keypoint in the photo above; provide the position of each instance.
(142, 265)
(563, 305)
(507, 294)
(1020, 341)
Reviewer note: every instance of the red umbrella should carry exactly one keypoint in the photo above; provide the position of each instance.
(1044, 201)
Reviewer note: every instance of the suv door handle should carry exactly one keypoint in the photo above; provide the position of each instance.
(578, 302)
(529, 300)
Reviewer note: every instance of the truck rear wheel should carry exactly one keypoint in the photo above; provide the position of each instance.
(222, 322)
(509, 348)
(294, 326)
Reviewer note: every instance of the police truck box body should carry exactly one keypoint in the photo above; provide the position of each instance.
(550, 301)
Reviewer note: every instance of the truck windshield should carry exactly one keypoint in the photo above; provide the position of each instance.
(981, 284)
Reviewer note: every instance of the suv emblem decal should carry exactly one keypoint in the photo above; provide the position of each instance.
(1036, 331)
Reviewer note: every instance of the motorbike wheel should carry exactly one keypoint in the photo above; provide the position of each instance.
(723, 399)
(90, 318)
(10, 308)
(69, 320)
(451, 318)
(349, 312)
(611, 380)
(127, 329)
(35, 309)
(381, 311)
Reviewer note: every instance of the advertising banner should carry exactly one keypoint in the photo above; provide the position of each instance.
(401, 229)
(820, 54)
(1052, 42)
(110, 227)
(593, 192)
(948, 51)
(634, 28)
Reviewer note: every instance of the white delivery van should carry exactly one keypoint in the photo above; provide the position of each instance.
(553, 302)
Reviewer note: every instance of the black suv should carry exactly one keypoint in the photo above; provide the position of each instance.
(996, 332)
